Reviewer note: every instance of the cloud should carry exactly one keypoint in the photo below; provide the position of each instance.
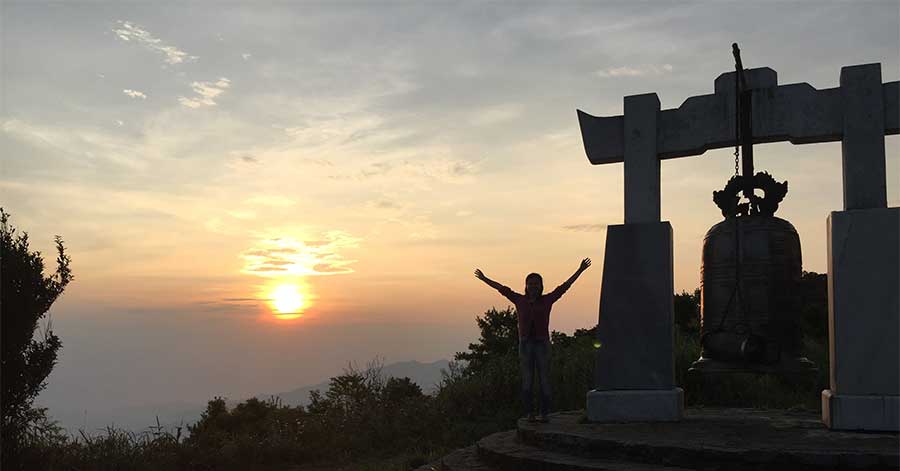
(277, 201)
(380, 168)
(85, 147)
(385, 204)
(585, 227)
(126, 31)
(246, 55)
(444, 170)
(289, 256)
(206, 92)
(242, 214)
(497, 114)
(639, 71)
(249, 159)
(135, 94)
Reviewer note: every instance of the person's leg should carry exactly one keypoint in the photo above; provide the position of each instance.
(542, 357)
(526, 365)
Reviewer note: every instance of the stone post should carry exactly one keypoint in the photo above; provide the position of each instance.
(634, 373)
(641, 161)
(863, 274)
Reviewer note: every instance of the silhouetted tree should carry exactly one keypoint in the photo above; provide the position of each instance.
(499, 337)
(814, 306)
(25, 297)
(399, 390)
(687, 311)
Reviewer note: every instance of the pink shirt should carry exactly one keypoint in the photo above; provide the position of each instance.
(534, 316)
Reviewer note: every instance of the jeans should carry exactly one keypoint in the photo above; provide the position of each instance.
(535, 353)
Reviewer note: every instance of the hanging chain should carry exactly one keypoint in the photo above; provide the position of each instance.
(737, 127)
(737, 106)
(737, 123)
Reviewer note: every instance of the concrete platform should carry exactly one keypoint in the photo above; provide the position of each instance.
(705, 439)
(463, 459)
(732, 439)
(505, 451)
(642, 405)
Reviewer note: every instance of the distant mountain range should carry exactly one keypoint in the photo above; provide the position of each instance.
(139, 418)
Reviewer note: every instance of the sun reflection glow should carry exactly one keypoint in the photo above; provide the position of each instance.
(287, 300)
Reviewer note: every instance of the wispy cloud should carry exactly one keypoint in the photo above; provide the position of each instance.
(206, 92)
(635, 71)
(86, 146)
(384, 203)
(585, 227)
(276, 201)
(127, 31)
(497, 114)
(239, 214)
(445, 170)
(246, 55)
(135, 94)
(289, 256)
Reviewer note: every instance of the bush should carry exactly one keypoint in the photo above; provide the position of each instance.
(750, 389)
(26, 295)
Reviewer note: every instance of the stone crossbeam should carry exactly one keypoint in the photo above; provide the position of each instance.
(859, 113)
(797, 113)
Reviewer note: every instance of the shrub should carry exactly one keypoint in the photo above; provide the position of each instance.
(26, 295)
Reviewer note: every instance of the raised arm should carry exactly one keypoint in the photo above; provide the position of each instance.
(507, 293)
(581, 268)
(558, 292)
(493, 284)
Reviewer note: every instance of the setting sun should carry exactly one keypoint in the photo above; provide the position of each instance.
(287, 301)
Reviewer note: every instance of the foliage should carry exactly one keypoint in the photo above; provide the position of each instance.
(363, 413)
(756, 390)
(499, 338)
(26, 295)
(253, 433)
(687, 311)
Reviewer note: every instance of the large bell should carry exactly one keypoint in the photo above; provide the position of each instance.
(749, 288)
(749, 291)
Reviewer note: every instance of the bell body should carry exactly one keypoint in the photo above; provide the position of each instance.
(750, 298)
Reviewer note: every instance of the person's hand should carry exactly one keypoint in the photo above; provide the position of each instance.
(479, 274)
(585, 264)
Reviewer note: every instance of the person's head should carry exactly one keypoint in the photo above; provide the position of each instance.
(534, 285)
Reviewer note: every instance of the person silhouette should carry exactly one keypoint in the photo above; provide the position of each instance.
(533, 316)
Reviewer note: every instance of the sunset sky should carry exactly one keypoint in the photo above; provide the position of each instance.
(361, 160)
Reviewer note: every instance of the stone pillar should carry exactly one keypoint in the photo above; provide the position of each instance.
(863, 320)
(863, 271)
(862, 147)
(634, 372)
(641, 161)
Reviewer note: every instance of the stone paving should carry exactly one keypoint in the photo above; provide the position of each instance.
(709, 439)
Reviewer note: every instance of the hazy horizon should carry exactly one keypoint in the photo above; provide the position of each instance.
(218, 170)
